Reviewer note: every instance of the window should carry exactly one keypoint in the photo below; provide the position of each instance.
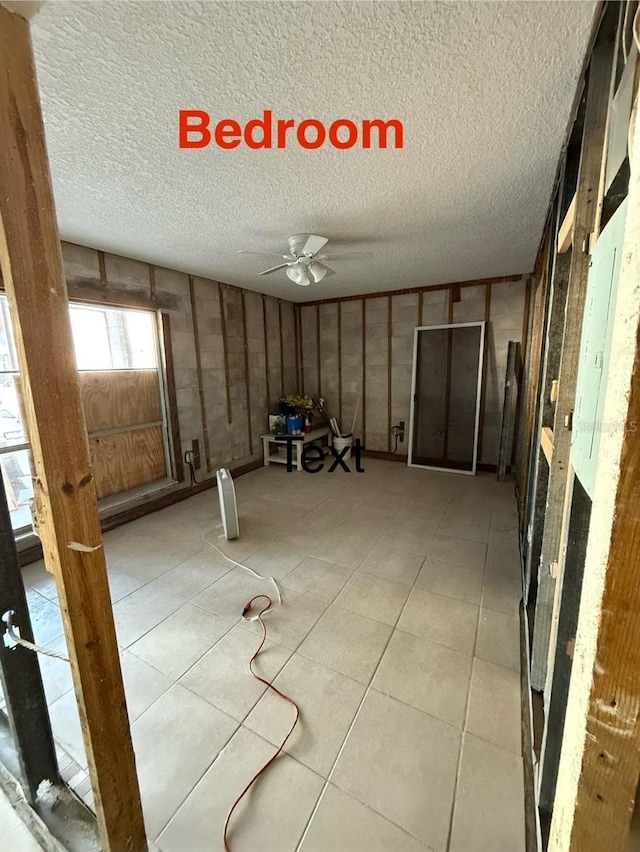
(113, 339)
(15, 461)
(123, 344)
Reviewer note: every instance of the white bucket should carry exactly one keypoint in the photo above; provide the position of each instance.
(340, 443)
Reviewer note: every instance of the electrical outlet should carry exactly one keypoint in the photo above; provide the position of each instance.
(195, 449)
(402, 431)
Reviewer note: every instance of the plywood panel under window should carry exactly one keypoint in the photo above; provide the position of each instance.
(126, 460)
(120, 398)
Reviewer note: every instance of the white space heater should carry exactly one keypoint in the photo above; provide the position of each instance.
(228, 508)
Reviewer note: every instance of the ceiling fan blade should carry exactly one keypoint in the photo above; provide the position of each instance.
(313, 244)
(352, 255)
(274, 269)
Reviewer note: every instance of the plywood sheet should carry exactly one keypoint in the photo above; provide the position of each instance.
(120, 398)
(126, 460)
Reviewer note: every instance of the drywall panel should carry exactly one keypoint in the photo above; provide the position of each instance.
(595, 351)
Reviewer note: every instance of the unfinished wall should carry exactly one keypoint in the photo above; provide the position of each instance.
(223, 391)
(338, 365)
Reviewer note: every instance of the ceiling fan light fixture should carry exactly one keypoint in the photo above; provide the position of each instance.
(299, 275)
(317, 270)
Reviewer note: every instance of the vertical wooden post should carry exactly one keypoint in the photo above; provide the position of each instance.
(585, 225)
(64, 487)
(266, 351)
(247, 384)
(364, 372)
(196, 341)
(225, 352)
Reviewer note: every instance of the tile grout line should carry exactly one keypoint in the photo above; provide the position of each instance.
(464, 728)
(355, 718)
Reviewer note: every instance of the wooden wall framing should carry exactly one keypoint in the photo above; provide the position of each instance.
(64, 487)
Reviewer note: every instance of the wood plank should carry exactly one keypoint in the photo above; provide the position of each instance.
(364, 372)
(611, 758)
(485, 367)
(476, 282)
(339, 323)
(586, 222)
(117, 398)
(565, 234)
(225, 352)
(319, 350)
(296, 347)
(266, 352)
(196, 340)
(166, 346)
(389, 366)
(546, 442)
(508, 411)
(301, 350)
(247, 387)
(127, 460)
(64, 489)
(281, 339)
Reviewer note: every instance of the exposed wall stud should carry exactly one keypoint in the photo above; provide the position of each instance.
(266, 350)
(64, 488)
(172, 399)
(364, 372)
(389, 384)
(319, 349)
(281, 347)
(339, 323)
(225, 352)
(247, 386)
(586, 220)
(196, 340)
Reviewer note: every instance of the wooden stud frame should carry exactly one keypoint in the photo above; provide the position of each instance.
(203, 409)
(247, 385)
(587, 209)
(64, 488)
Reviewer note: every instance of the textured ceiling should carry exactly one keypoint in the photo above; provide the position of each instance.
(484, 91)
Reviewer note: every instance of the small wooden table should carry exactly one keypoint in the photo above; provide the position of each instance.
(298, 442)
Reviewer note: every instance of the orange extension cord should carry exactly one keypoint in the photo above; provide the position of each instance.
(245, 612)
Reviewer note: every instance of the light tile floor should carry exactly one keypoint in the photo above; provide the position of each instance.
(398, 637)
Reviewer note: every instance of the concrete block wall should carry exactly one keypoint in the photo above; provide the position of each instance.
(121, 281)
(389, 324)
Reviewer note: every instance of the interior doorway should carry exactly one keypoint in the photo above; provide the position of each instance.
(445, 396)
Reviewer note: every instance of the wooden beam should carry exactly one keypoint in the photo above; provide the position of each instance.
(247, 386)
(301, 350)
(196, 340)
(546, 442)
(281, 347)
(319, 349)
(611, 758)
(364, 372)
(64, 489)
(508, 411)
(476, 282)
(389, 356)
(172, 397)
(296, 347)
(565, 234)
(339, 324)
(225, 352)
(587, 211)
(266, 351)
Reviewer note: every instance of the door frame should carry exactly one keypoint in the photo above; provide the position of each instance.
(417, 330)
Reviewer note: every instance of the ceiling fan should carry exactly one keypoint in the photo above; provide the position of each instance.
(303, 263)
